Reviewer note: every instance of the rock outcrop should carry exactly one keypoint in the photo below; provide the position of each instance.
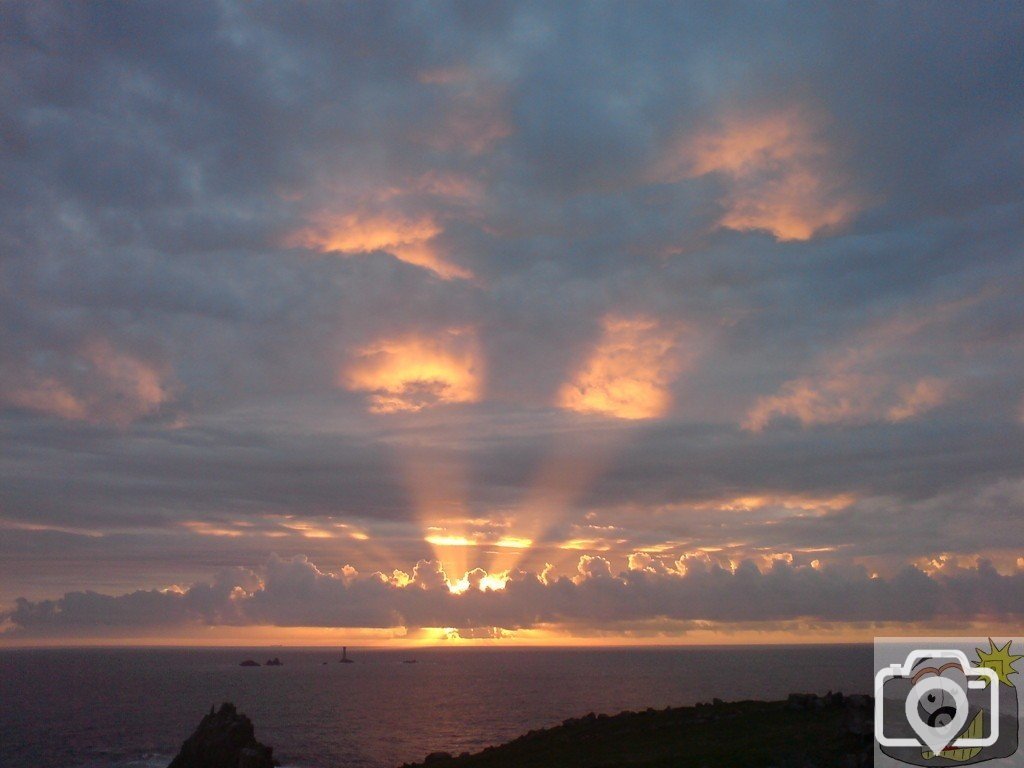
(224, 739)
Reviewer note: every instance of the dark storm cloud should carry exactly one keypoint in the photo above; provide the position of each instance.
(211, 211)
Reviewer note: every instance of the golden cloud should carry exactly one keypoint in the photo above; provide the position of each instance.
(780, 170)
(411, 239)
(476, 539)
(416, 371)
(629, 371)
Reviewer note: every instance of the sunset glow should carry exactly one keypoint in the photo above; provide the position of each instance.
(414, 372)
(506, 324)
(408, 239)
(782, 175)
(628, 373)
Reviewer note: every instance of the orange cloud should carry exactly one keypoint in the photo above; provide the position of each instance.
(801, 503)
(102, 384)
(414, 372)
(919, 397)
(780, 173)
(209, 529)
(862, 383)
(629, 371)
(47, 395)
(411, 239)
(844, 396)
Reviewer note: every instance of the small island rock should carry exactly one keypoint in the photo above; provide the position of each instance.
(224, 739)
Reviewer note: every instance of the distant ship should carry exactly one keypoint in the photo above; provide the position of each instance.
(344, 656)
(409, 661)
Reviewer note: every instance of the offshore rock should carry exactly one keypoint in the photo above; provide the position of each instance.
(224, 739)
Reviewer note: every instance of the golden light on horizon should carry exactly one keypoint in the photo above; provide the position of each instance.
(480, 580)
(417, 371)
(470, 548)
(541, 636)
(629, 371)
(493, 581)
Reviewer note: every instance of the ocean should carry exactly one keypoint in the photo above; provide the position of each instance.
(132, 708)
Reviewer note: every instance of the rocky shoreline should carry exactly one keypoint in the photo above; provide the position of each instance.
(804, 731)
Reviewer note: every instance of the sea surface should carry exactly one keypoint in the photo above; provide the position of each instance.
(132, 708)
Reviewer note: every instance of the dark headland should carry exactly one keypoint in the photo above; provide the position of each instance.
(225, 738)
(805, 731)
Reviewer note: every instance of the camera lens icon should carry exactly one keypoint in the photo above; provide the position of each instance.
(931, 689)
(936, 710)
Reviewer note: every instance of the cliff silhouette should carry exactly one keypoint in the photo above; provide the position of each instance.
(804, 731)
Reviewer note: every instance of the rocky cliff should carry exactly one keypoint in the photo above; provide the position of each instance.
(225, 738)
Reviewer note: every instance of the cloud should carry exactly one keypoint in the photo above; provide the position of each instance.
(842, 396)
(577, 176)
(414, 372)
(409, 239)
(781, 173)
(295, 592)
(864, 380)
(628, 372)
(98, 384)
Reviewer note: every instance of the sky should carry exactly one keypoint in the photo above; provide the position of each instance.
(524, 323)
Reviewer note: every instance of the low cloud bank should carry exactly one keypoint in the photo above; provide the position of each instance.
(294, 592)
